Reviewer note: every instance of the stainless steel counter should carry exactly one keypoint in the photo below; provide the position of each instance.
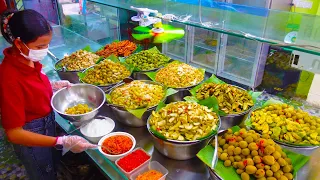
(192, 169)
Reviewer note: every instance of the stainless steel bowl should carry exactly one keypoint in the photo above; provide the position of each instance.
(78, 93)
(71, 76)
(180, 150)
(231, 120)
(125, 117)
(105, 88)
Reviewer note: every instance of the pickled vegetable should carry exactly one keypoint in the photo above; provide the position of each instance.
(263, 165)
(105, 73)
(232, 100)
(287, 124)
(148, 59)
(78, 109)
(179, 75)
(79, 60)
(184, 121)
(119, 49)
(137, 94)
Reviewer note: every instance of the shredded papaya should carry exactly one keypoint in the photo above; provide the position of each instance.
(118, 144)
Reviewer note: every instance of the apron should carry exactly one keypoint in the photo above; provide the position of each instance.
(39, 161)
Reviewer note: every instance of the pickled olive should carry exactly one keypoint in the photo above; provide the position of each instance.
(259, 173)
(239, 171)
(78, 109)
(79, 60)
(232, 100)
(184, 121)
(289, 175)
(138, 94)
(237, 151)
(227, 163)
(179, 75)
(287, 124)
(243, 144)
(269, 173)
(148, 59)
(250, 169)
(245, 176)
(105, 73)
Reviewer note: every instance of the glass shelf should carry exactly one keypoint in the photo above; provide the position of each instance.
(254, 23)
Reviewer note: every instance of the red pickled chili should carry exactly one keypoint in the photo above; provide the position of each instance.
(118, 144)
(133, 160)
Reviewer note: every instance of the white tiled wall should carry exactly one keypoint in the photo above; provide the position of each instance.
(314, 93)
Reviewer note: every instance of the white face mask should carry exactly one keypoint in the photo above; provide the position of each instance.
(36, 55)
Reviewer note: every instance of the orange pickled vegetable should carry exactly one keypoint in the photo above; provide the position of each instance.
(118, 144)
(150, 175)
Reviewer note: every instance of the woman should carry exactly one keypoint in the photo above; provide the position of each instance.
(25, 93)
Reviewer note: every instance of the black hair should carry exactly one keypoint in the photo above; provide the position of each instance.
(27, 24)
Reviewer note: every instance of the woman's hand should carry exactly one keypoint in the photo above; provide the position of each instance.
(56, 85)
(75, 144)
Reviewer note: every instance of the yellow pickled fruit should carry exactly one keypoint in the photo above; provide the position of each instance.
(262, 178)
(271, 178)
(269, 160)
(231, 158)
(245, 151)
(269, 150)
(289, 176)
(253, 146)
(224, 156)
(225, 146)
(276, 155)
(227, 163)
(237, 151)
(283, 177)
(245, 176)
(254, 153)
(249, 139)
(275, 167)
(288, 160)
(240, 165)
(240, 171)
(237, 158)
(269, 173)
(250, 169)
(243, 144)
(260, 166)
(282, 162)
(257, 159)
(267, 167)
(230, 150)
(287, 168)
(222, 142)
(249, 161)
(259, 173)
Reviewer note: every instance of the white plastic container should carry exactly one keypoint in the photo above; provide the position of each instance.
(115, 157)
(142, 166)
(107, 127)
(154, 165)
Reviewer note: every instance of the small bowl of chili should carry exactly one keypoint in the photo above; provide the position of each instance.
(119, 144)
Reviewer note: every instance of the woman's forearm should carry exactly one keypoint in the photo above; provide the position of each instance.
(27, 138)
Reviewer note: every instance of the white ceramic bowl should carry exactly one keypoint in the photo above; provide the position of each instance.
(115, 157)
(95, 139)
